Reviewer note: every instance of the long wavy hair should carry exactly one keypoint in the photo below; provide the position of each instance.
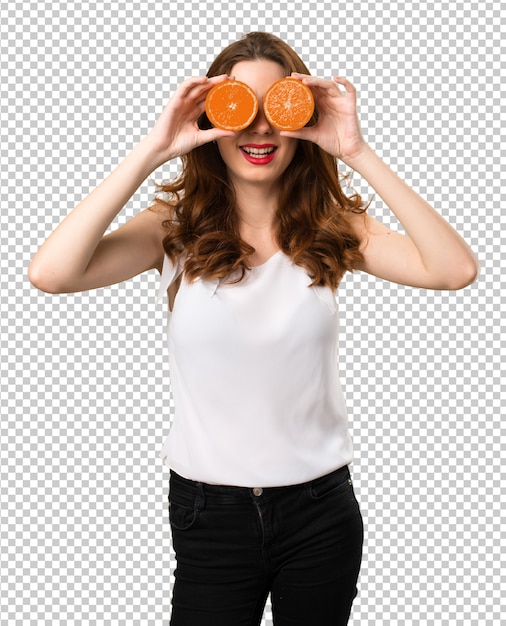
(312, 219)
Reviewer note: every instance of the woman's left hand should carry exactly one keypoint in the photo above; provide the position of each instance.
(338, 129)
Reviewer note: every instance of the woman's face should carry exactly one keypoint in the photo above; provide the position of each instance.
(257, 154)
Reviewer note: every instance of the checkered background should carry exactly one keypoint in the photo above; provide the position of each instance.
(85, 403)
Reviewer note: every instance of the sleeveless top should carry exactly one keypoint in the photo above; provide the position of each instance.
(254, 378)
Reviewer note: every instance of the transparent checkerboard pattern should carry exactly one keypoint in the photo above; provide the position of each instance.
(85, 396)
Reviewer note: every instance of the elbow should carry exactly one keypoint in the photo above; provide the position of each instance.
(44, 280)
(463, 277)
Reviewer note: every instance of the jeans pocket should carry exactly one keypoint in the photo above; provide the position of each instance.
(333, 484)
(182, 517)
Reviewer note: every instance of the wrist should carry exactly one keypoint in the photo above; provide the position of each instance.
(360, 158)
(150, 154)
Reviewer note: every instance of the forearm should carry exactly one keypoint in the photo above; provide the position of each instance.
(68, 250)
(441, 248)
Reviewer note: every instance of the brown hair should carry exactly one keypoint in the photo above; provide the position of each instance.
(313, 224)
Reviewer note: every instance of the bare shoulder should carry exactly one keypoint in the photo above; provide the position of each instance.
(151, 223)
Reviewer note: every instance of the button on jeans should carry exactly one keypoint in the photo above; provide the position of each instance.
(234, 545)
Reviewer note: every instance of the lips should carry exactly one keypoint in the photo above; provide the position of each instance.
(259, 154)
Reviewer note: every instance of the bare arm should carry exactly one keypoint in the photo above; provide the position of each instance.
(432, 254)
(77, 256)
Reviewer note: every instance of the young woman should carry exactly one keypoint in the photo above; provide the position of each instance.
(252, 240)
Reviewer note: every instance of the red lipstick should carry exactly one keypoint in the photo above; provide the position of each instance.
(259, 154)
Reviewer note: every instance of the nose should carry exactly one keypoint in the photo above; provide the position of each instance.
(260, 124)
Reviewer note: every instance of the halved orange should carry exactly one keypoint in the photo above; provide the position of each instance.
(288, 104)
(231, 105)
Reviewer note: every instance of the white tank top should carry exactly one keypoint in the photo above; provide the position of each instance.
(254, 378)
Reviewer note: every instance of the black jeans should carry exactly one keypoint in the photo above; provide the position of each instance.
(234, 545)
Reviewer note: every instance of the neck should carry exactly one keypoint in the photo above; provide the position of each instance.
(257, 207)
(256, 210)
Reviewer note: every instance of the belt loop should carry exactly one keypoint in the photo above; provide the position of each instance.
(200, 502)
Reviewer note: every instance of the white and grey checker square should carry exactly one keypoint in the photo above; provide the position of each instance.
(85, 402)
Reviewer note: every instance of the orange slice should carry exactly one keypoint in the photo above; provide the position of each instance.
(288, 104)
(231, 105)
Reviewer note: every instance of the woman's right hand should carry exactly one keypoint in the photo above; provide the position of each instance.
(176, 131)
